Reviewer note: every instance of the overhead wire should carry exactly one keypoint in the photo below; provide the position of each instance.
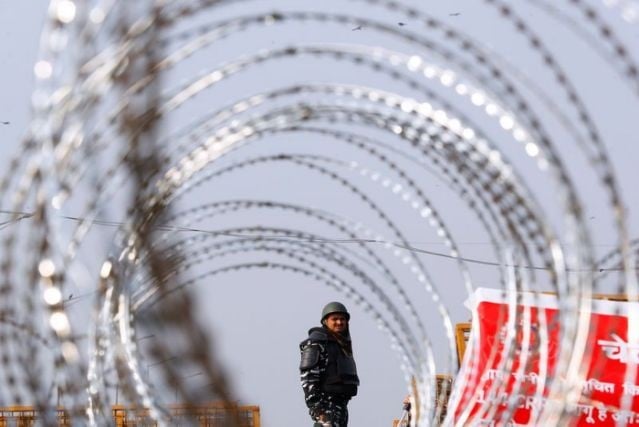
(409, 247)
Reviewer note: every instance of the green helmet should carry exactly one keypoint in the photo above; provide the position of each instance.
(334, 307)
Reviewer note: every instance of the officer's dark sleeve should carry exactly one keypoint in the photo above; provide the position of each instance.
(310, 371)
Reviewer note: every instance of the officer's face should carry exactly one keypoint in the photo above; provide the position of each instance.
(336, 323)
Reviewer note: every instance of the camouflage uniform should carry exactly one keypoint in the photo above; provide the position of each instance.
(316, 356)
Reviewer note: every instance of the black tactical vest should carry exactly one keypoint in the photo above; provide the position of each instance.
(341, 373)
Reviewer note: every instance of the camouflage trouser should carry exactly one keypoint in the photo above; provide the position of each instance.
(336, 411)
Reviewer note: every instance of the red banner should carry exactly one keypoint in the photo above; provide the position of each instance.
(497, 388)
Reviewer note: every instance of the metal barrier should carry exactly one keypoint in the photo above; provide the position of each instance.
(211, 415)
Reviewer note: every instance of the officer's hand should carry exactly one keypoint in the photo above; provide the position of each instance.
(323, 418)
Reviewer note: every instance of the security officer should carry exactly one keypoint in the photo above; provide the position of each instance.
(328, 371)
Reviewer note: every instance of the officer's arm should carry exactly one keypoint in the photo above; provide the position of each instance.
(310, 372)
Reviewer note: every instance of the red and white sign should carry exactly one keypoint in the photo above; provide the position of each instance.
(487, 387)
